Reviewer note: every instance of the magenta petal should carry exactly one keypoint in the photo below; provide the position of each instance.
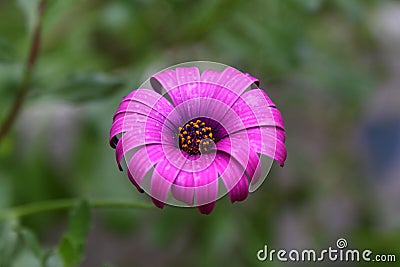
(183, 187)
(167, 80)
(240, 191)
(209, 87)
(234, 83)
(132, 122)
(131, 115)
(253, 117)
(143, 161)
(157, 203)
(122, 125)
(147, 98)
(162, 179)
(188, 82)
(206, 107)
(209, 83)
(207, 208)
(133, 181)
(258, 98)
(266, 141)
(227, 75)
(232, 174)
(252, 79)
(135, 139)
(132, 108)
(226, 86)
(256, 109)
(241, 151)
(206, 183)
(276, 149)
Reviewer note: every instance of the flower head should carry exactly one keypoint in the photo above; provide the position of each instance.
(189, 136)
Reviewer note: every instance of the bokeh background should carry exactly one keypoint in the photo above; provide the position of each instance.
(331, 66)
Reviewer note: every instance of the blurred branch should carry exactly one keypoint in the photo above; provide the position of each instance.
(57, 204)
(27, 76)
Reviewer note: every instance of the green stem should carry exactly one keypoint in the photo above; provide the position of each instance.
(57, 204)
(27, 76)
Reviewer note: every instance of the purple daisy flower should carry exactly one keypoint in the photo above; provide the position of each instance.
(189, 135)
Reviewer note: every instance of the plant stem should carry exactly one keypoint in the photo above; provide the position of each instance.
(27, 76)
(57, 204)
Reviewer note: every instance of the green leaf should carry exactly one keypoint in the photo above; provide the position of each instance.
(69, 254)
(26, 258)
(71, 246)
(81, 87)
(7, 53)
(18, 246)
(79, 223)
(53, 260)
(29, 8)
(5, 190)
(8, 242)
(31, 242)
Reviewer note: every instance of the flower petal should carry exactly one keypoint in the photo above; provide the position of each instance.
(133, 181)
(226, 86)
(252, 79)
(133, 107)
(183, 187)
(275, 149)
(244, 155)
(142, 162)
(162, 179)
(240, 191)
(257, 97)
(209, 83)
(147, 98)
(167, 80)
(268, 141)
(227, 75)
(206, 188)
(233, 176)
(254, 114)
(188, 82)
(206, 108)
(131, 141)
(117, 128)
(132, 122)
(139, 107)
(230, 85)
(207, 208)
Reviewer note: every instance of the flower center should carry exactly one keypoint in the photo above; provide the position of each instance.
(195, 137)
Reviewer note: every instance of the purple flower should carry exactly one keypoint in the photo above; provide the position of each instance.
(189, 137)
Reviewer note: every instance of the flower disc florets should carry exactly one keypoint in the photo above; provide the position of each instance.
(195, 137)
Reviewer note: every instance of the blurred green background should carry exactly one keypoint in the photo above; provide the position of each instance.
(331, 66)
